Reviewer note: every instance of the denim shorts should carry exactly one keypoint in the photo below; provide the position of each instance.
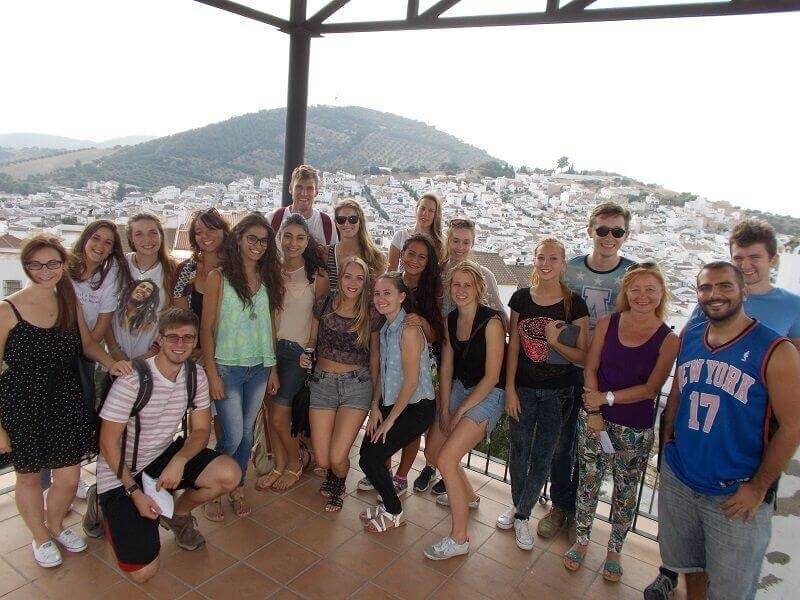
(489, 410)
(695, 536)
(331, 391)
(290, 374)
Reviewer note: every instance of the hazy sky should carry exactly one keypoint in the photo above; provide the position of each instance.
(701, 105)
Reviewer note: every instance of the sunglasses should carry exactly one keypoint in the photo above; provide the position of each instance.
(51, 265)
(462, 223)
(253, 240)
(352, 219)
(603, 231)
(648, 264)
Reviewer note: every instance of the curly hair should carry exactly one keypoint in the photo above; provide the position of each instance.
(77, 258)
(65, 293)
(147, 312)
(269, 265)
(429, 288)
(312, 255)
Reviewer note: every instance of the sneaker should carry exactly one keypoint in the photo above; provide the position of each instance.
(400, 484)
(71, 541)
(506, 520)
(445, 549)
(365, 485)
(83, 489)
(47, 555)
(438, 489)
(93, 518)
(183, 526)
(443, 500)
(523, 533)
(661, 588)
(423, 482)
(552, 523)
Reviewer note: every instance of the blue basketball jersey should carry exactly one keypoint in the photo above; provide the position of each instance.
(723, 411)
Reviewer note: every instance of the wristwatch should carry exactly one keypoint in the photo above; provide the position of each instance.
(610, 398)
(130, 490)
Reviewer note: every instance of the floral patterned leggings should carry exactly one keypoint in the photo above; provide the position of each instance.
(627, 464)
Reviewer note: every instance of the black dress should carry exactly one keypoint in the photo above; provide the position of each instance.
(42, 406)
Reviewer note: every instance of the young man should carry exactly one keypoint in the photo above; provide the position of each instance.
(304, 187)
(132, 517)
(754, 249)
(596, 277)
(717, 478)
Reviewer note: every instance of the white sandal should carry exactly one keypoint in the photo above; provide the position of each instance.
(385, 521)
(371, 512)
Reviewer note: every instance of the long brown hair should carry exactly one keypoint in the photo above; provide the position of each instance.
(269, 265)
(361, 322)
(167, 264)
(77, 258)
(566, 293)
(65, 293)
(211, 219)
(372, 255)
(436, 225)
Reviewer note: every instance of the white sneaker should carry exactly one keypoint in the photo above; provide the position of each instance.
(83, 487)
(447, 548)
(47, 555)
(365, 485)
(71, 541)
(506, 520)
(523, 533)
(443, 500)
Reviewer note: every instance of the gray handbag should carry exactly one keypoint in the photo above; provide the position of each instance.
(569, 337)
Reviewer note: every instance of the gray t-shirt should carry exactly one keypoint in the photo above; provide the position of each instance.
(599, 289)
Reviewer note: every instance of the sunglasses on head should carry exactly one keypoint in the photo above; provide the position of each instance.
(604, 230)
(352, 219)
(459, 223)
(648, 264)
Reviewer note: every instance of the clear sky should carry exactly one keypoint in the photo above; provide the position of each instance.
(701, 105)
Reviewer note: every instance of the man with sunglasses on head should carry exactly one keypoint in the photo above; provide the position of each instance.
(596, 277)
(132, 516)
(304, 187)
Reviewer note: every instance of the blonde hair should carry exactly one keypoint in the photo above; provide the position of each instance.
(361, 322)
(304, 172)
(436, 225)
(647, 268)
(566, 293)
(472, 269)
(371, 254)
(456, 224)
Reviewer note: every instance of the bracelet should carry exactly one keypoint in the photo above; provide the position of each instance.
(593, 412)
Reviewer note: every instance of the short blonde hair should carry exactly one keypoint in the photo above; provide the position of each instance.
(474, 270)
(646, 268)
(304, 172)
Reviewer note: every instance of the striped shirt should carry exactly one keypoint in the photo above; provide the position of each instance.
(160, 418)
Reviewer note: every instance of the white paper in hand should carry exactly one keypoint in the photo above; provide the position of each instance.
(163, 497)
(605, 443)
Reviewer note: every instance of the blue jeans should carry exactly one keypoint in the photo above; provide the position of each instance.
(564, 472)
(533, 443)
(244, 393)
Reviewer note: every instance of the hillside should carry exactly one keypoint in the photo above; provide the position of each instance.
(347, 138)
(59, 159)
(55, 142)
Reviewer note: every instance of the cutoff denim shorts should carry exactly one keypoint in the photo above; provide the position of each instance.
(331, 391)
(290, 374)
(489, 410)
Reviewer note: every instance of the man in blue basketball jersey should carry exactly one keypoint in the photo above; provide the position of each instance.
(733, 377)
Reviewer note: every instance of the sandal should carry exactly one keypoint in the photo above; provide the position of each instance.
(384, 521)
(573, 559)
(294, 477)
(212, 510)
(612, 570)
(240, 506)
(371, 512)
(336, 498)
(325, 488)
(266, 481)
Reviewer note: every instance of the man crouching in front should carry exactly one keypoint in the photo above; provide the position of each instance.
(131, 516)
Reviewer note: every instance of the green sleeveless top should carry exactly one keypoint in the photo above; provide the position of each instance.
(244, 334)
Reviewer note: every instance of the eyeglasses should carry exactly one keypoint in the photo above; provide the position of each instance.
(51, 265)
(648, 264)
(253, 240)
(352, 219)
(174, 338)
(462, 223)
(603, 231)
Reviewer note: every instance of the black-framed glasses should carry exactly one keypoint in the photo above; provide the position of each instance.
(648, 264)
(51, 265)
(604, 230)
(352, 219)
(174, 338)
(459, 223)
(254, 239)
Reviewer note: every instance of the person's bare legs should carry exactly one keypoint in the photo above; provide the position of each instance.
(407, 457)
(322, 422)
(289, 460)
(60, 496)
(30, 503)
(696, 586)
(221, 476)
(434, 440)
(459, 491)
(348, 421)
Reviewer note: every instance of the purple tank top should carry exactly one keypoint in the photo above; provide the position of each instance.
(623, 367)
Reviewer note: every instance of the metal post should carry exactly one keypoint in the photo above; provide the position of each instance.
(297, 96)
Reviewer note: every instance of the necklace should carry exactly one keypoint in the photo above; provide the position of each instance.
(143, 271)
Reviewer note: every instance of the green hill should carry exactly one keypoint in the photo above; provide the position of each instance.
(346, 138)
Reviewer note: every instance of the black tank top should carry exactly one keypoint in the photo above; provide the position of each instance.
(469, 356)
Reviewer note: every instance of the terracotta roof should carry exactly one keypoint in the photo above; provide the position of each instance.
(522, 273)
(10, 241)
(493, 262)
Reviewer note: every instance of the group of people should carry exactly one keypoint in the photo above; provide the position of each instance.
(417, 343)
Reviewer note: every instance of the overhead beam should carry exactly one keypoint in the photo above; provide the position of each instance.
(248, 13)
(413, 9)
(327, 11)
(577, 5)
(438, 8)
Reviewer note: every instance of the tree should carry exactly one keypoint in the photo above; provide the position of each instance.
(119, 193)
(562, 163)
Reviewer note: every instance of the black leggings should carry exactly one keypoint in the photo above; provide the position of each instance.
(412, 423)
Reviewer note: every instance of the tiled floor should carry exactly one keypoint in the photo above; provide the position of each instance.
(290, 548)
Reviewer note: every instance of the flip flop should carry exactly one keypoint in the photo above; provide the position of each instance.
(216, 515)
(294, 474)
(266, 481)
(573, 560)
(612, 570)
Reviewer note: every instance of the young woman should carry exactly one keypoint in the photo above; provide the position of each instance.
(343, 383)
(354, 240)
(238, 340)
(627, 364)
(540, 376)
(305, 283)
(471, 397)
(207, 233)
(406, 407)
(45, 422)
(428, 220)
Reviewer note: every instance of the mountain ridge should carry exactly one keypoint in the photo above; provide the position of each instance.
(19, 140)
